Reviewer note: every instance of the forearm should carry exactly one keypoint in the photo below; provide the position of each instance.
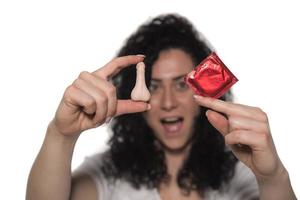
(50, 176)
(279, 188)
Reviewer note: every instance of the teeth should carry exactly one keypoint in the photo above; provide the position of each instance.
(171, 119)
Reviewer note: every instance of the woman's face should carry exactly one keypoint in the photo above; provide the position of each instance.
(173, 108)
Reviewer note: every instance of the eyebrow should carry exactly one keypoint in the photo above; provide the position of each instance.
(174, 79)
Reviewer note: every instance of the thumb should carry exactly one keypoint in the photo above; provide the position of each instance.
(129, 106)
(218, 121)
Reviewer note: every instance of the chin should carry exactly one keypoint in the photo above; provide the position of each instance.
(175, 147)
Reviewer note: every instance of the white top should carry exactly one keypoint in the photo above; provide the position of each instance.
(242, 186)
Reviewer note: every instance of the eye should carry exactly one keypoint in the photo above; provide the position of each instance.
(181, 86)
(153, 86)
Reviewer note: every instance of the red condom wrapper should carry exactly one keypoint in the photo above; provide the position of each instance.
(211, 78)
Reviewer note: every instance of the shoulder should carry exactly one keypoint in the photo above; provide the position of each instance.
(105, 187)
(88, 178)
(92, 164)
(83, 187)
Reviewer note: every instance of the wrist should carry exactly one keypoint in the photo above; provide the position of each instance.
(277, 175)
(276, 187)
(55, 134)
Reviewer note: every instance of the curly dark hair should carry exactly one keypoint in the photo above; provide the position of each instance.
(133, 155)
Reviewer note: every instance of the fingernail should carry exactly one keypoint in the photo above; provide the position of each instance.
(206, 113)
(148, 106)
(107, 120)
(141, 55)
(198, 97)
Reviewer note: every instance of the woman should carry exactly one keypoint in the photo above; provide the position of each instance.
(172, 147)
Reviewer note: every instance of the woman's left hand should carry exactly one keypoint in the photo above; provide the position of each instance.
(246, 131)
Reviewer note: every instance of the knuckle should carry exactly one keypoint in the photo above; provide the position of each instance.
(69, 90)
(257, 109)
(77, 83)
(111, 90)
(237, 136)
(83, 74)
(262, 114)
(231, 106)
(211, 100)
(90, 103)
(265, 138)
(102, 99)
(233, 123)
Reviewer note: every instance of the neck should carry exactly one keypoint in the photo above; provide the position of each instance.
(175, 160)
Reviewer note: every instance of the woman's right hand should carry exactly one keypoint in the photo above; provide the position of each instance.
(91, 99)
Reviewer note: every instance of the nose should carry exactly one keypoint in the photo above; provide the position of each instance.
(169, 100)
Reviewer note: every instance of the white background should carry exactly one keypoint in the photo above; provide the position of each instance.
(44, 45)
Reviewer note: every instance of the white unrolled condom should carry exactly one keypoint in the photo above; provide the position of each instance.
(140, 91)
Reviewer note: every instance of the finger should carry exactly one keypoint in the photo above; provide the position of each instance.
(114, 66)
(129, 106)
(218, 121)
(252, 139)
(104, 86)
(75, 98)
(229, 108)
(238, 122)
(99, 97)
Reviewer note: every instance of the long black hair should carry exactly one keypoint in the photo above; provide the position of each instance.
(133, 155)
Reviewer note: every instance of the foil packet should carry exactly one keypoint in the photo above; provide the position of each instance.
(211, 78)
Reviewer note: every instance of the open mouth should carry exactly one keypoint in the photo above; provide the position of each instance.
(172, 124)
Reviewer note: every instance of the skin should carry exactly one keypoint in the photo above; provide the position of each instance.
(87, 103)
(170, 96)
(91, 101)
(246, 130)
